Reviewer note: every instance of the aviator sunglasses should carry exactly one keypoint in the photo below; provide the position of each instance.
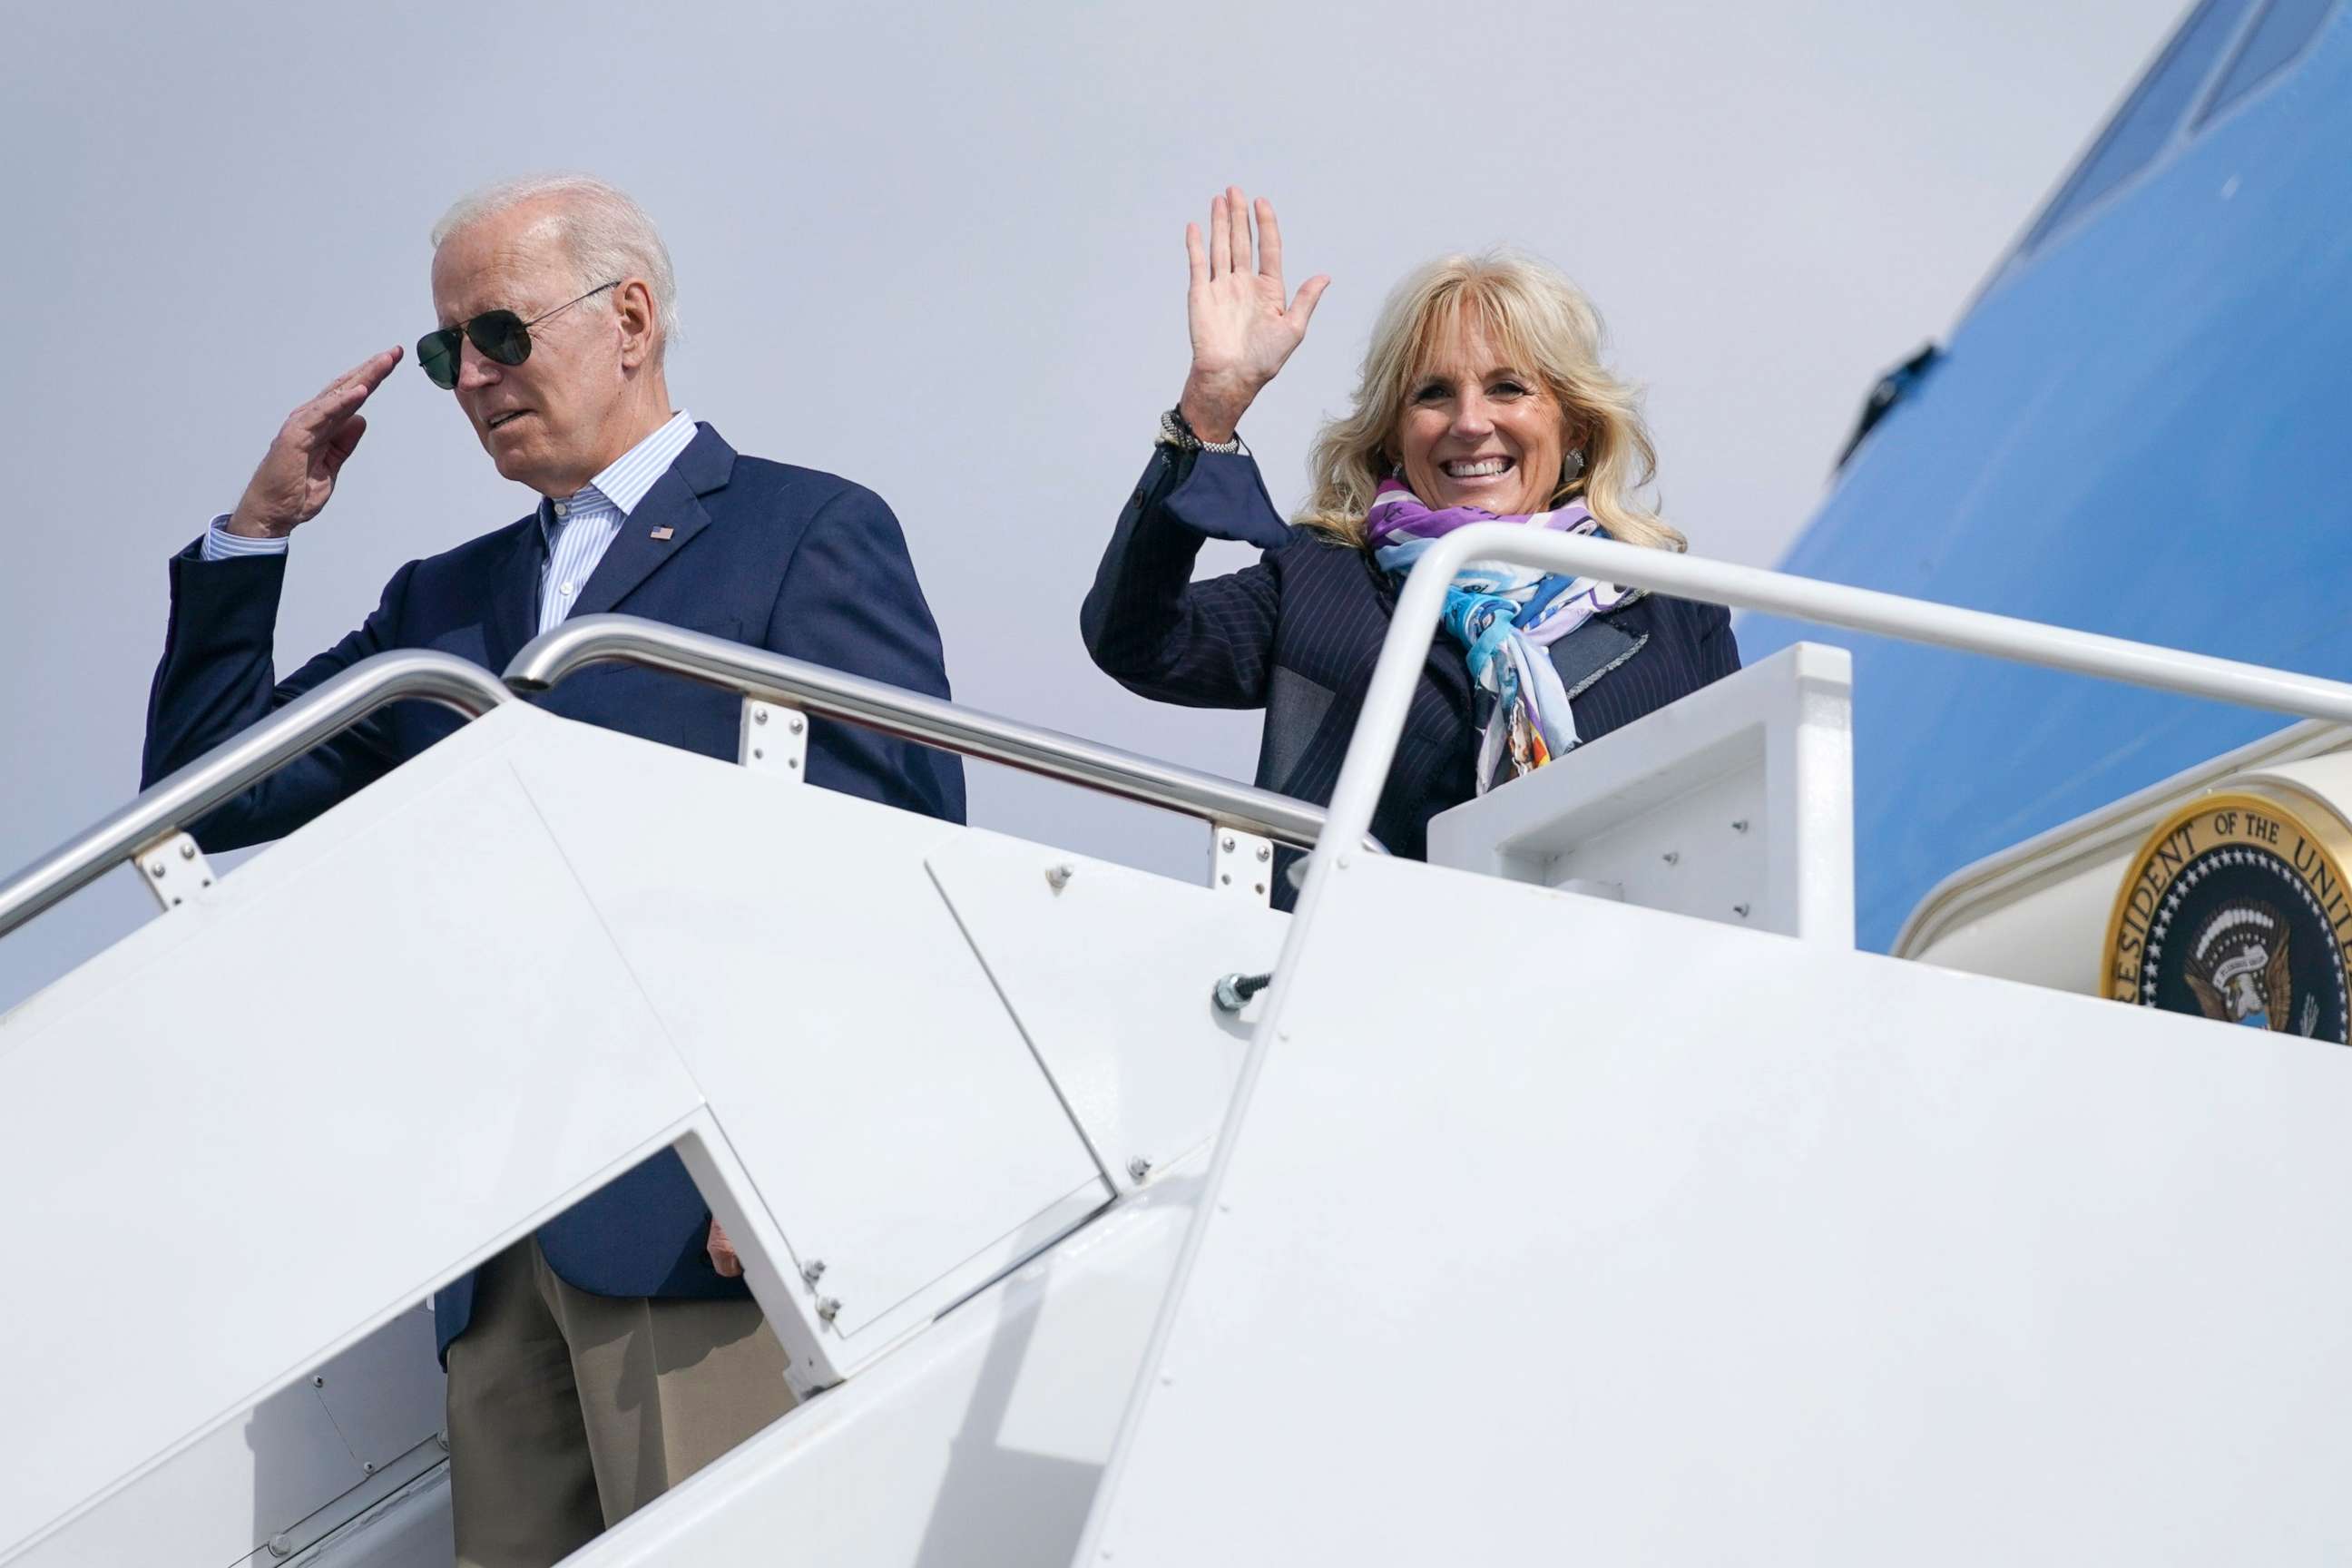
(501, 335)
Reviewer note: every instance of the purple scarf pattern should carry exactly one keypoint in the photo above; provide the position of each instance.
(1505, 617)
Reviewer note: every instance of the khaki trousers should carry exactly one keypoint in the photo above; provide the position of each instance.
(569, 1411)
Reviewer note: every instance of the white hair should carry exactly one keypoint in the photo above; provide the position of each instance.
(608, 235)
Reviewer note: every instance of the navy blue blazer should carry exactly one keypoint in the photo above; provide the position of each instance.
(787, 558)
(1298, 632)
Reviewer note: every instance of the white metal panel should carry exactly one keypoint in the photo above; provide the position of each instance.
(359, 1511)
(815, 981)
(1747, 1249)
(1109, 971)
(772, 739)
(1735, 804)
(386, 1393)
(296, 1464)
(1241, 863)
(2050, 935)
(976, 1444)
(386, 1046)
(409, 1528)
(217, 1499)
(175, 872)
(2038, 910)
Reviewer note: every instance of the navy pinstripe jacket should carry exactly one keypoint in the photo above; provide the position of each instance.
(1298, 632)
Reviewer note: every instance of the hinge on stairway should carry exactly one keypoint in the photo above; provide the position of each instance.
(774, 738)
(1241, 863)
(174, 869)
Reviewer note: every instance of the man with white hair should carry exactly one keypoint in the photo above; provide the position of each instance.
(596, 1365)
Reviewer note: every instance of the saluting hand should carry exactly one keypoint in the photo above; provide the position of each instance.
(297, 473)
(1241, 331)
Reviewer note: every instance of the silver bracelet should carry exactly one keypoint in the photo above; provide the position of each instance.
(1175, 432)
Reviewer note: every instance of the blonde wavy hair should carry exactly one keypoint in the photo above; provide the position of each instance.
(1532, 313)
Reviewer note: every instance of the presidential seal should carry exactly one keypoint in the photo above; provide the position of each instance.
(2237, 909)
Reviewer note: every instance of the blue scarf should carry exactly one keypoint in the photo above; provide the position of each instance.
(1505, 617)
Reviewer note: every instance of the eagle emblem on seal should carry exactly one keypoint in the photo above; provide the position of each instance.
(2237, 908)
(2238, 968)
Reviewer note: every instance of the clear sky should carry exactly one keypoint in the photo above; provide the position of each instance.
(939, 250)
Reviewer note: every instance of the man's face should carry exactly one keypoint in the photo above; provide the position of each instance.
(546, 423)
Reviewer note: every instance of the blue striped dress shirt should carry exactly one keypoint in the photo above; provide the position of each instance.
(578, 528)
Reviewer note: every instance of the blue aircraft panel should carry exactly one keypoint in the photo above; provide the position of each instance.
(2143, 427)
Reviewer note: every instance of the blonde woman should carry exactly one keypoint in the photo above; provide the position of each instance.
(1482, 396)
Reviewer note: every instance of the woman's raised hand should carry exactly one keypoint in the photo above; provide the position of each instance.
(1242, 331)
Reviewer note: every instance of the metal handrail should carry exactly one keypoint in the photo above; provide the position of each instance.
(243, 760)
(1414, 622)
(1381, 724)
(910, 716)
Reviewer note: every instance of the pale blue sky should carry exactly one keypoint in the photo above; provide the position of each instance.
(939, 250)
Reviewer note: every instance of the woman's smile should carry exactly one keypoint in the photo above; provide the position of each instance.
(1479, 431)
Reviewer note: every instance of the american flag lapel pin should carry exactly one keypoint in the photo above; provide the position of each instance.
(662, 532)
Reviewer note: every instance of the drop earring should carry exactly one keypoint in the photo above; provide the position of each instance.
(1572, 466)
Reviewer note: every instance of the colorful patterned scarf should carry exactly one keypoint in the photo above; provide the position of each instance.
(1506, 618)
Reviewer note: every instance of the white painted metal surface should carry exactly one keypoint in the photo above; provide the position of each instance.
(174, 870)
(2038, 911)
(976, 1444)
(287, 1234)
(1756, 1249)
(1757, 1245)
(1415, 621)
(408, 1527)
(573, 948)
(1373, 748)
(1109, 975)
(410, 674)
(817, 988)
(1241, 863)
(381, 1407)
(1734, 804)
(288, 1470)
(774, 739)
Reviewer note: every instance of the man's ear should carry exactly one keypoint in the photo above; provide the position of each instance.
(633, 300)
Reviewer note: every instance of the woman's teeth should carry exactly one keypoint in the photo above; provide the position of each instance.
(1483, 467)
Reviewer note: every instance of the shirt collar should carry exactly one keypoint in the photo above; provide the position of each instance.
(625, 480)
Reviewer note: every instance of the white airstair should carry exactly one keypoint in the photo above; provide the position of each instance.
(1583, 1193)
